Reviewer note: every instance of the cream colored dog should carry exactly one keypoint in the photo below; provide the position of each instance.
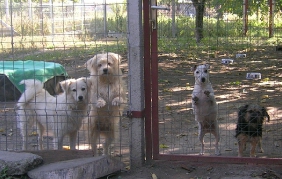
(205, 106)
(62, 115)
(108, 98)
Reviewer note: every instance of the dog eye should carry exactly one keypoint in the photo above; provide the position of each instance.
(74, 90)
(206, 71)
(82, 89)
(109, 64)
(99, 65)
(197, 72)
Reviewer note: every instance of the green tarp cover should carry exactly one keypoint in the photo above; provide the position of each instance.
(16, 71)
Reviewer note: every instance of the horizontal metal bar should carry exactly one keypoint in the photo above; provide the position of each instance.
(160, 8)
(221, 159)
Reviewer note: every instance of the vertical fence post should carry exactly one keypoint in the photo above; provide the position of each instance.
(148, 78)
(30, 9)
(135, 82)
(7, 9)
(155, 90)
(105, 19)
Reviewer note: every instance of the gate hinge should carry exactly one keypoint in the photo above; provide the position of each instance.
(135, 114)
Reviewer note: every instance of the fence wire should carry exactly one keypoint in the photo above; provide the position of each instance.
(68, 34)
(232, 55)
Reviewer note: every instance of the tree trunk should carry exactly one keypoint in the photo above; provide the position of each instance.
(200, 8)
(173, 26)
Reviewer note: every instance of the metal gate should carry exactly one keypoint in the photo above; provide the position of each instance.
(171, 131)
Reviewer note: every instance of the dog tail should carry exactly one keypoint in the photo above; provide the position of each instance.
(32, 87)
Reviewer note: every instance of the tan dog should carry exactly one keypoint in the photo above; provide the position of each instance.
(249, 127)
(204, 106)
(62, 114)
(108, 98)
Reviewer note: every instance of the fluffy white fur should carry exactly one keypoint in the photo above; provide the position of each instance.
(107, 97)
(62, 115)
(205, 106)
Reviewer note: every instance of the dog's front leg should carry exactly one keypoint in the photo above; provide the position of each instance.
(209, 96)
(73, 137)
(24, 129)
(254, 142)
(242, 139)
(253, 150)
(40, 131)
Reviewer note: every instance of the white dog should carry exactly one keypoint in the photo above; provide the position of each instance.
(62, 114)
(108, 98)
(204, 106)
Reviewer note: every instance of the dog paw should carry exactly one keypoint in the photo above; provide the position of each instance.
(100, 103)
(195, 99)
(261, 151)
(217, 153)
(207, 93)
(116, 101)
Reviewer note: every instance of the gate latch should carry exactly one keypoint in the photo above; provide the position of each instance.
(135, 114)
(154, 9)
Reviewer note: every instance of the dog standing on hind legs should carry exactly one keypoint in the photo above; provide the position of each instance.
(108, 98)
(204, 106)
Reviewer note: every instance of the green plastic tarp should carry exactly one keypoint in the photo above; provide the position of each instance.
(17, 71)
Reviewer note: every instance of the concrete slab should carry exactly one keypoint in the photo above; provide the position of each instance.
(241, 177)
(93, 167)
(18, 163)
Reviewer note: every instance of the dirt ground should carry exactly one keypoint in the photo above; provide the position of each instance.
(178, 130)
(188, 170)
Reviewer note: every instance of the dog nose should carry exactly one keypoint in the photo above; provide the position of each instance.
(105, 70)
(203, 80)
(80, 98)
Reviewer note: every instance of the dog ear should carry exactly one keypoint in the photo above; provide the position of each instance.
(65, 85)
(265, 114)
(59, 88)
(88, 82)
(194, 68)
(242, 112)
(207, 66)
(115, 56)
(90, 63)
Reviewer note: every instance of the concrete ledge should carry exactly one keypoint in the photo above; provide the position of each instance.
(93, 167)
(19, 163)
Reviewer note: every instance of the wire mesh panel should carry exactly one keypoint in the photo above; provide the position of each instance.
(244, 69)
(68, 34)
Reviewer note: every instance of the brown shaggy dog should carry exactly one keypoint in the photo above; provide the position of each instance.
(249, 127)
(108, 98)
